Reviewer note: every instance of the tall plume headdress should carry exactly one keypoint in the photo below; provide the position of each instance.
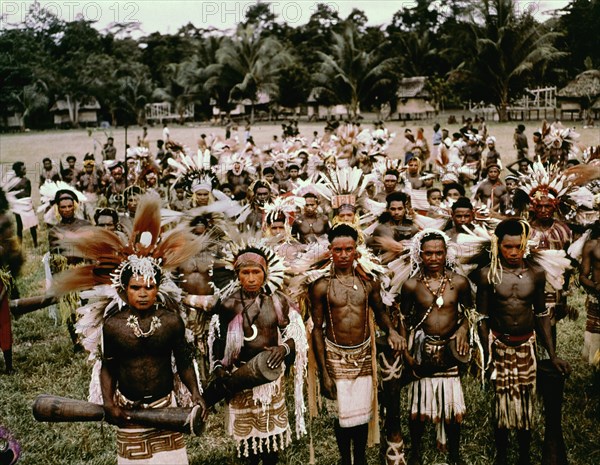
(146, 254)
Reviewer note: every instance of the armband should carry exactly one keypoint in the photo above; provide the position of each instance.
(287, 348)
(543, 314)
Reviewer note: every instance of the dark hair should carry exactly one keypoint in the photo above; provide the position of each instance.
(342, 230)
(397, 196)
(293, 166)
(432, 190)
(17, 166)
(3, 201)
(511, 227)
(46, 159)
(132, 190)
(200, 219)
(393, 172)
(433, 236)
(127, 274)
(258, 184)
(453, 185)
(268, 170)
(310, 195)
(106, 212)
(462, 202)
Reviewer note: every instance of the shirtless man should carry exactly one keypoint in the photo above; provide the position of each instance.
(491, 191)
(390, 184)
(240, 179)
(310, 225)
(261, 195)
(199, 299)
(513, 302)
(250, 323)
(138, 342)
(589, 277)
(429, 302)
(394, 227)
(341, 302)
(462, 217)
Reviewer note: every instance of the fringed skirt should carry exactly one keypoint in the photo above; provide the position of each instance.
(591, 337)
(515, 371)
(438, 398)
(257, 419)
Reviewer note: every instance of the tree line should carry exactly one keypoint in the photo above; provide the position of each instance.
(484, 50)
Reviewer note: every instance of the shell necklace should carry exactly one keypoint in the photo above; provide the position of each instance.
(134, 324)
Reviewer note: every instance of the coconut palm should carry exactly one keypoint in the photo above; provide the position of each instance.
(352, 75)
(181, 86)
(248, 64)
(505, 49)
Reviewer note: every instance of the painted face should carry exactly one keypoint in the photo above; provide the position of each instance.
(117, 174)
(310, 207)
(433, 254)
(251, 278)
(140, 295)
(510, 249)
(343, 252)
(544, 209)
(202, 198)
(397, 210)
(106, 222)
(462, 216)
(66, 209)
(435, 198)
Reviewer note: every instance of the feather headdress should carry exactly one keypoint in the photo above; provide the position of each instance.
(8, 184)
(194, 173)
(48, 192)
(247, 249)
(110, 255)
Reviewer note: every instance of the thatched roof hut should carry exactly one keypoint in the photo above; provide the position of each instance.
(413, 98)
(580, 94)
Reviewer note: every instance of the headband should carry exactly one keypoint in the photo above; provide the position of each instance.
(250, 259)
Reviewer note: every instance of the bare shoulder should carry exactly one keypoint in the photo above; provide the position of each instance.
(458, 280)
(319, 287)
(482, 275)
(590, 245)
(410, 285)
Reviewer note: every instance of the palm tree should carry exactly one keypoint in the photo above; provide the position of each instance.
(31, 98)
(180, 88)
(505, 50)
(352, 75)
(248, 65)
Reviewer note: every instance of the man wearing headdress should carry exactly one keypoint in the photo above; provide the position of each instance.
(258, 329)
(11, 260)
(510, 296)
(550, 233)
(107, 218)
(133, 335)
(433, 302)
(589, 277)
(310, 225)
(343, 342)
(61, 258)
(240, 179)
(492, 191)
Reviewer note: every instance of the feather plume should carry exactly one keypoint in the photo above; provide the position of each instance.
(76, 279)
(177, 247)
(147, 219)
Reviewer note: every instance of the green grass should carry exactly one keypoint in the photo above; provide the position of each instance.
(46, 364)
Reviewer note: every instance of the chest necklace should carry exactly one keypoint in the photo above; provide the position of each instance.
(134, 324)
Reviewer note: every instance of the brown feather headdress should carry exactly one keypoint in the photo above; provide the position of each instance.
(109, 254)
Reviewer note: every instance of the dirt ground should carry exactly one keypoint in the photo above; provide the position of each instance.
(32, 147)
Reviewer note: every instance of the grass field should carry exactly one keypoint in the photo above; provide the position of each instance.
(45, 362)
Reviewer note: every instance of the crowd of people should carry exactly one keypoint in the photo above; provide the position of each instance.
(199, 276)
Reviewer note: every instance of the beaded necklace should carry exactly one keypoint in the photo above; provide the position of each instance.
(333, 275)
